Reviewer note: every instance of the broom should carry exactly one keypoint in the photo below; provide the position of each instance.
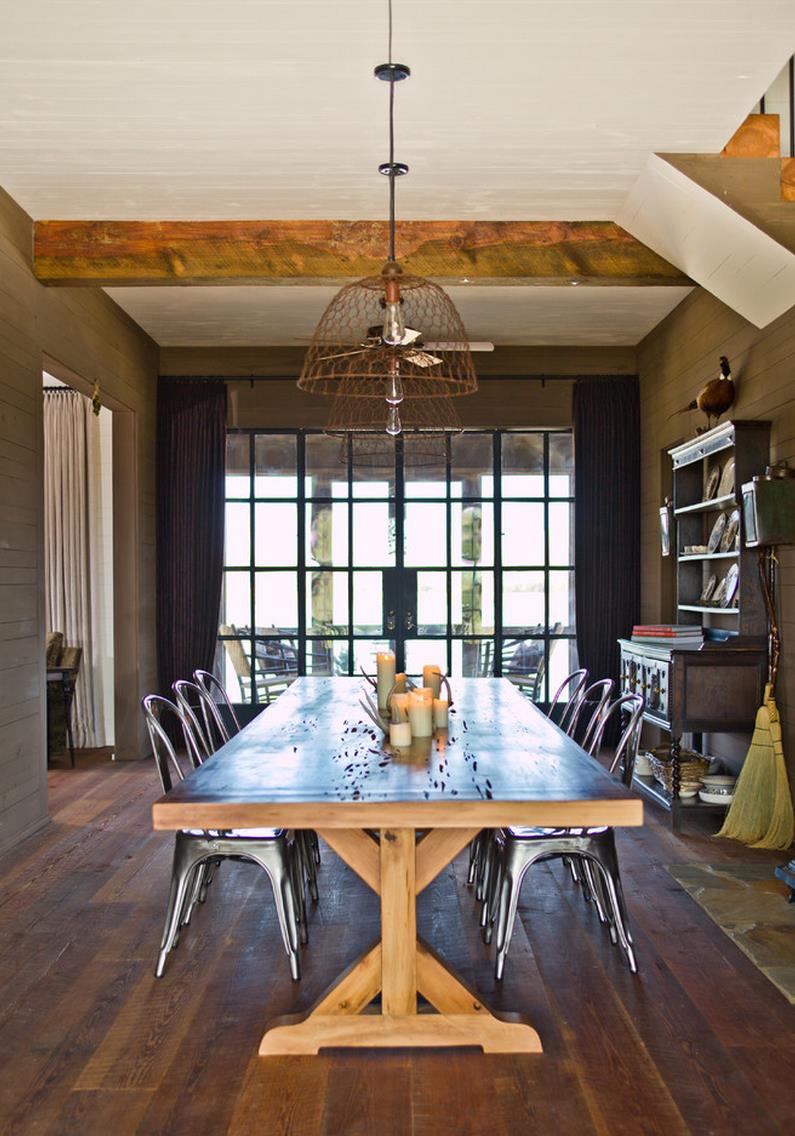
(761, 813)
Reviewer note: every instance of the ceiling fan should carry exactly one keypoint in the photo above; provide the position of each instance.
(419, 353)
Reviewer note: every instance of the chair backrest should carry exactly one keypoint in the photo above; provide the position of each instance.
(217, 692)
(237, 656)
(622, 763)
(200, 710)
(157, 710)
(590, 709)
(575, 684)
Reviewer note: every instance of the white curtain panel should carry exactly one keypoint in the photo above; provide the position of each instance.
(68, 458)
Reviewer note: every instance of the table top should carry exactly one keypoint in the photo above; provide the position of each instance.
(314, 759)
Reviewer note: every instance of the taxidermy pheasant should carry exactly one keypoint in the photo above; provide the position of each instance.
(716, 396)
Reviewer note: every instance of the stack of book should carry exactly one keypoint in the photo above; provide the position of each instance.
(668, 634)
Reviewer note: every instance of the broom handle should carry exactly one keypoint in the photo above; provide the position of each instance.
(767, 576)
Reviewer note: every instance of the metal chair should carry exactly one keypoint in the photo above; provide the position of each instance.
(590, 709)
(515, 850)
(274, 850)
(213, 686)
(575, 683)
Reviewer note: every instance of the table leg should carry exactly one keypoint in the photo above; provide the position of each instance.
(400, 967)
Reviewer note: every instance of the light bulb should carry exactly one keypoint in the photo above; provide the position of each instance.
(394, 325)
(395, 396)
(393, 425)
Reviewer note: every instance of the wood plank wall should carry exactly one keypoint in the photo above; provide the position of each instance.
(84, 333)
(674, 361)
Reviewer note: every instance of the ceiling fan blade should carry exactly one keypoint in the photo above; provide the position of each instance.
(421, 358)
(457, 345)
(343, 354)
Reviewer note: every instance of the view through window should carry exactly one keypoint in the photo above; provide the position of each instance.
(466, 562)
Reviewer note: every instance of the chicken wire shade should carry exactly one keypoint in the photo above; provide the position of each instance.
(347, 347)
(362, 422)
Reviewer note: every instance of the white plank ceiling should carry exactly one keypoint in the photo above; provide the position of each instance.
(516, 109)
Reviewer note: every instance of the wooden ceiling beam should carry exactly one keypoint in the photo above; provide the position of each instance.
(282, 252)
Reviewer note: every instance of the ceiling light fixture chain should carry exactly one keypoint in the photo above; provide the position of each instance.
(390, 339)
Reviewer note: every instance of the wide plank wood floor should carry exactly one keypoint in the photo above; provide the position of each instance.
(92, 1044)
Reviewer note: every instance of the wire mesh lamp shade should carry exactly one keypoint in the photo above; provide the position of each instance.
(347, 353)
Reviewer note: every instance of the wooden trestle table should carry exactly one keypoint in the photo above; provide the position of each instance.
(313, 760)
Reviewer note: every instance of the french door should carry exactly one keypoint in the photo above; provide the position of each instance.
(462, 558)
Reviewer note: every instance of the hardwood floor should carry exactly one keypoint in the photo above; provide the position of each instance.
(699, 1042)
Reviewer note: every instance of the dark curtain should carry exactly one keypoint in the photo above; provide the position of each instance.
(606, 416)
(191, 444)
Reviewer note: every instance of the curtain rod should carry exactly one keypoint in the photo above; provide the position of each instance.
(60, 390)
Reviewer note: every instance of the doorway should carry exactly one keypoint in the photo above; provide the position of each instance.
(465, 560)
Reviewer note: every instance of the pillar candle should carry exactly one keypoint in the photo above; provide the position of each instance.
(400, 734)
(385, 676)
(400, 708)
(400, 684)
(440, 713)
(432, 677)
(421, 712)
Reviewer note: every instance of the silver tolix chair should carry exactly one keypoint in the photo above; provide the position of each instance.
(195, 851)
(514, 850)
(217, 692)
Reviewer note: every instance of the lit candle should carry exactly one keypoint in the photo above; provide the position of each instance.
(432, 677)
(400, 684)
(400, 734)
(440, 713)
(421, 712)
(385, 676)
(400, 707)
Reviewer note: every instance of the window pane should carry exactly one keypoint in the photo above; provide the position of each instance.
(562, 661)
(472, 537)
(275, 666)
(473, 658)
(425, 467)
(373, 466)
(327, 602)
(326, 657)
(472, 611)
(275, 535)
(561, 533)
(275, 465)
(326, 467)
(523, 465)
(425, 652)
(368, 603)
(425, 534)
(561, 603)
(522, 657)
(522, 602)
(238, 479)
(374, 533)
(327, 534)
(236, 600)
(522, 533)
(432, 603)
(472, 465)
(364, 652)
(237, 535)
(276, 601)
(561, 465)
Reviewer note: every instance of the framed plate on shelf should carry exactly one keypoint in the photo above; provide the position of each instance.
(729, 538)
(711, 484)
(726, 483)
(730, 580)
(716, 535)
(709, 588)
(719, 595)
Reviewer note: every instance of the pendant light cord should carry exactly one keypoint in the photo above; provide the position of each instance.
(391, 145)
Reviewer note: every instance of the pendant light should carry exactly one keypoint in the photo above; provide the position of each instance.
(391, 349)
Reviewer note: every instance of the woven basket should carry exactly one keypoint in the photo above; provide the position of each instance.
(692, 766)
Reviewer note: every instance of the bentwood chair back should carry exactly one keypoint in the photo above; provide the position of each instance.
(203, 715)
(158, 710)
(591, 708)
(573, 685)
(197, 854)
(217, 691)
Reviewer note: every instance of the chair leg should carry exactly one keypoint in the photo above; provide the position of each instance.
(604, 856)
(310, 860)
(510, 885)
(183, 867)
(280, 874)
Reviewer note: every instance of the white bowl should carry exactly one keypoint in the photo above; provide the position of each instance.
(719, 780)
(715, 798)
